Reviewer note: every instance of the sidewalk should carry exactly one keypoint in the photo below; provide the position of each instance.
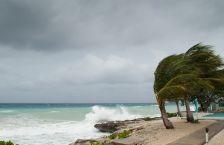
(198, 137)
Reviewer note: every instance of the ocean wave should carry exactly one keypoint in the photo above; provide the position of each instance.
(7, 111)
(54, 111)
(48, 133)
(30, 130)
(101, 114)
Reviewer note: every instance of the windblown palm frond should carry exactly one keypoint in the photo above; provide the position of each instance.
(170, 67)
(190, 81)
(204, 58)
(182, 85)
(162, 75)
(171, 92)
(199, 47)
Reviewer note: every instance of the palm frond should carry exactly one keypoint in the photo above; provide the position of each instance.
(172, 92)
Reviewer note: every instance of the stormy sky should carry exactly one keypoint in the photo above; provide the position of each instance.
(88, 51)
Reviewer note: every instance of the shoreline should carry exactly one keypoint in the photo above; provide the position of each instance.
(150, 131)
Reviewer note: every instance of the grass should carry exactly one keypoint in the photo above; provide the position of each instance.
(96, 143)
(120, 135)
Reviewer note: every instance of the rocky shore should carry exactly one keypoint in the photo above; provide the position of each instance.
(145, 131)
(112, 126)
(118, 129)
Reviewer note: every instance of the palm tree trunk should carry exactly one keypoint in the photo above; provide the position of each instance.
(201, 104)
(178, 108)
(167, 123)
(190, 117)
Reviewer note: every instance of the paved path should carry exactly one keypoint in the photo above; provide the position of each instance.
(218, 139)
(198, 137)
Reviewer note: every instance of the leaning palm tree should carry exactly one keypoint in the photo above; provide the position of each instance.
(167, 70)
(180, 87)
(162, 76)
(182, 76)
(202, 59)
(190, 84)
(211, 68)
(178, 108)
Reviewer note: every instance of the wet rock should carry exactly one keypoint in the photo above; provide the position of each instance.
(110, 126)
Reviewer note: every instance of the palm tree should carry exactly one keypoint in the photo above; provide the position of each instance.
(162, 76)
(211, 68)
(178, 108)
(169, 70)
(182, 76)
(207, 64)
(185, 85)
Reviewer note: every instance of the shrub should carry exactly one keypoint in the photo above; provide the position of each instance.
(96, 143)
(113, 136)
(171, 114)
(120, 135)
(124, 134)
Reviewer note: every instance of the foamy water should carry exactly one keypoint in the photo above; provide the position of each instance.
(61, 125)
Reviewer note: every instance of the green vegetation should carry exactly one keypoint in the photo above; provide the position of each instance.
(124, 134)
(6, 143)
(113, 136)
(171, 115)
(197, 73)
(96, 143)
(148, 119)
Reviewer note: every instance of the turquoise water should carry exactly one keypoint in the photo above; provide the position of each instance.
(61, 124)
(215, 116)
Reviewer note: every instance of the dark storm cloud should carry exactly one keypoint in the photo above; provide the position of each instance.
(97, 51)
(53, 24)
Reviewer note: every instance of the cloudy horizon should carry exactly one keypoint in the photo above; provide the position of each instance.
(82, 51)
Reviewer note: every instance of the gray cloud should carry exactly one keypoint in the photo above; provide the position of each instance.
(53, 24)
(97, 51)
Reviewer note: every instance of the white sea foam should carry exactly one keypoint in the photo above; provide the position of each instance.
(7, 111)
(29, 130)
(99, 114)
(54, 111)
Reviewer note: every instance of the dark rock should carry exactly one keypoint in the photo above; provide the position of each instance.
(110, 126)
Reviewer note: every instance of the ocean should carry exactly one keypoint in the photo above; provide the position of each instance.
(61, 124)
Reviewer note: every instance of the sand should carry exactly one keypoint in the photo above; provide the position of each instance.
(154, 132)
